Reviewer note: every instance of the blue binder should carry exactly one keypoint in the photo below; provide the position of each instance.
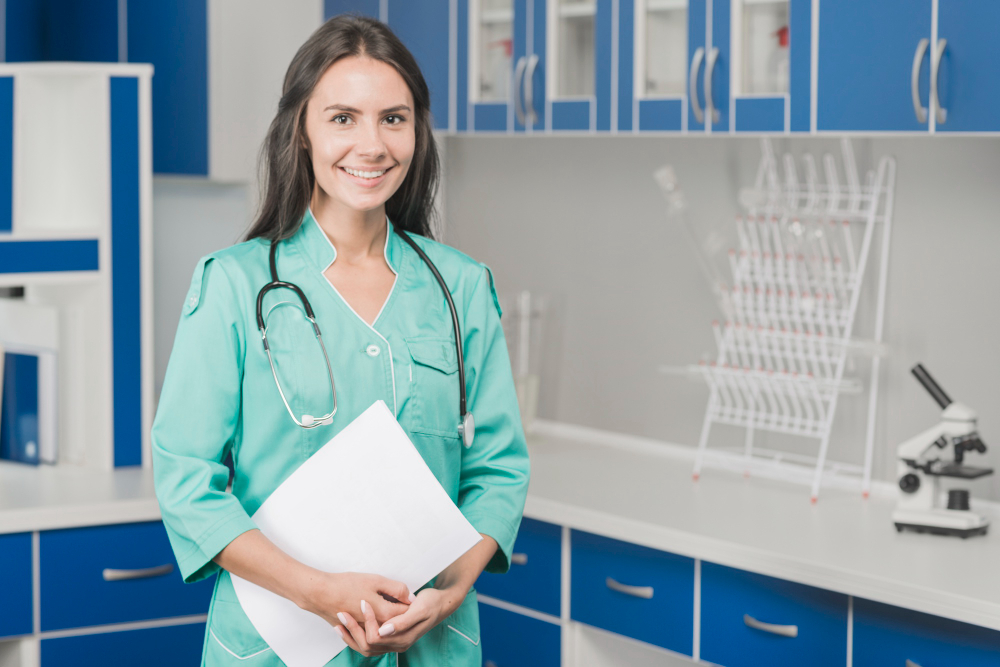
(19, 413)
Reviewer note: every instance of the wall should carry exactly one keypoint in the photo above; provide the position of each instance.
(581, 220)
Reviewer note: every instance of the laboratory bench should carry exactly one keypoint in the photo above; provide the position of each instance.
(622, 556)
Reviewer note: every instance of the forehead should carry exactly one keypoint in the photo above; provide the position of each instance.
(359, 82)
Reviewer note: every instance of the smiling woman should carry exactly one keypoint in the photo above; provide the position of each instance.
(349, 171)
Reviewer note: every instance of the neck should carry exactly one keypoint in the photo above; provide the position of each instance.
(356, 235)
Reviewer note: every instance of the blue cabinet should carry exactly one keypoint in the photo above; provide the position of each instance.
(15, 563)
(749, 619)
(579, 39)
(969, 67)
(869, 52)
(534, 578)
(633, 591)
(113, 574)
(169, 646)
(886, 635)
(513, 640)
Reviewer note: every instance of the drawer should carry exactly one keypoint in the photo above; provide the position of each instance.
(886, 635)
(171, 646)
(512, 640)
(76, 592)
(730, 596)
(534, 578)
(633, 591)
(15, 563)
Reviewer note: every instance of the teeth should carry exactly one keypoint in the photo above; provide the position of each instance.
(364, 174)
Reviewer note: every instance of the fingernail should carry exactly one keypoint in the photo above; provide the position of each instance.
(386, 630)
(339, 631)
(413, 598)
(341, 618)
(364, 607)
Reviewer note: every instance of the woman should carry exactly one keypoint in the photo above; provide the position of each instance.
(349, 168)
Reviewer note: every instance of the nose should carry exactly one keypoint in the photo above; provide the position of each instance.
(370, 142)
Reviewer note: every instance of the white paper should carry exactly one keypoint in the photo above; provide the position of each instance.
(365, 502)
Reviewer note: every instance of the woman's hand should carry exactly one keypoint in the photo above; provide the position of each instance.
(330, 593)
(399, 633)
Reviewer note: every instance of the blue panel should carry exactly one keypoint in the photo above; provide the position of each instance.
(520, 50)
(462, 87)
(126, 276)
(424, 28)
(82, 31)
(602, 63)
(73, 590)
(697, 27)
(666, 619)
(512, 639)
(626, 67)
(538, 46)
(19, 415)
(967, 79)
(24, 30)
(800, 64)
(662, 115)
(15, 563)
(174, 37)
(727, 594)
(535, 584)
(760, 114)
(571, 115)
(720, 74)
(885, 635)
(332, 8)
(866, 50)
(489, 117)
(6, 153)
(153, 647)
(48, 256)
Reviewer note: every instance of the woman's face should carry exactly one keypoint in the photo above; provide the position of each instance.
(360, 126)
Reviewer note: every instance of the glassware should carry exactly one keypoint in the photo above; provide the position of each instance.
(523, 319)
(765, 47)
(495, 22)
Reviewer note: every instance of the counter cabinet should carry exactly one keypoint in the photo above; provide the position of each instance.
(687, 610)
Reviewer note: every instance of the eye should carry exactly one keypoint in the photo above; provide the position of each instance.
(395, 119)
(341, 119)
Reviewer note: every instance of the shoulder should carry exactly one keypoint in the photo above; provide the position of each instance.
(463, 274)
(228, 271)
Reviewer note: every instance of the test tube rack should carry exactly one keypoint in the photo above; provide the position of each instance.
(798, 274)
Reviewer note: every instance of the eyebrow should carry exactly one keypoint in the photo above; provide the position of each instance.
(342, 107)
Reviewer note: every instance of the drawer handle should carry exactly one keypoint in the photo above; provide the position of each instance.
(490, 663)
(645, 592)
(782, 630)
(146, 573)
(910, 663)
(519, 559)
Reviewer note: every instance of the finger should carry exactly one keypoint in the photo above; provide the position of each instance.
(371, 623)
(397, 590)
(385, 610)
(346, 636)
(412, 617)
(356, 631)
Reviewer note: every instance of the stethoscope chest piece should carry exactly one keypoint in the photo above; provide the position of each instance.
(467, 429)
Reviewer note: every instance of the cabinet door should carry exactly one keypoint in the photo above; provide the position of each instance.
(969, 70)
(653, 62)
(488, 46)
(867, 52)
(771, 71)
(578, 44)
(15, 563)
(534, 579)
(425, 28)
(718, 61)
(513, 640)
(169, 646)
(886, 635)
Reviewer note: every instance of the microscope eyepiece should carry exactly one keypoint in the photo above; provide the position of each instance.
(932, 387)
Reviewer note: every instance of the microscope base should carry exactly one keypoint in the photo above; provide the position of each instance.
(942, 530)
(961, 523)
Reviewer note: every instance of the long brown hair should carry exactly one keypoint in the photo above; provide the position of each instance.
(286, 174)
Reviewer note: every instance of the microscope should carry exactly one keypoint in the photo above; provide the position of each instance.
(926, 458)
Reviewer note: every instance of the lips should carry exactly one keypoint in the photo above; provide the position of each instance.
(367, 178)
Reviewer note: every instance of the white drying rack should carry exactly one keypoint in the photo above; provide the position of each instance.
(797, 277)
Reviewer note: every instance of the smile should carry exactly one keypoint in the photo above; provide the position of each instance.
(365, 174)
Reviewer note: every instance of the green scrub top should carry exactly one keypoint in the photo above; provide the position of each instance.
(219, 397)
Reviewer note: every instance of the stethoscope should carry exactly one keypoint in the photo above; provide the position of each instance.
(467, 425)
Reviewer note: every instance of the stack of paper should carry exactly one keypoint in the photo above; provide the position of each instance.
(365, 502)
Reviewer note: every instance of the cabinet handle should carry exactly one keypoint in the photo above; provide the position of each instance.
(918, 59)
(941, 113)
(645, 592)
(782, 630)
(713, 56)
(699, 53)
(529, 92)
(490, 663)
(519, 559)
(518, 74)
(147, 573)
(910, 663)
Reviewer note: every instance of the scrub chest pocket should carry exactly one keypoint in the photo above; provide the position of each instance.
(435, 371)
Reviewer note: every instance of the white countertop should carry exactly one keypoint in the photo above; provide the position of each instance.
(647, 496)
